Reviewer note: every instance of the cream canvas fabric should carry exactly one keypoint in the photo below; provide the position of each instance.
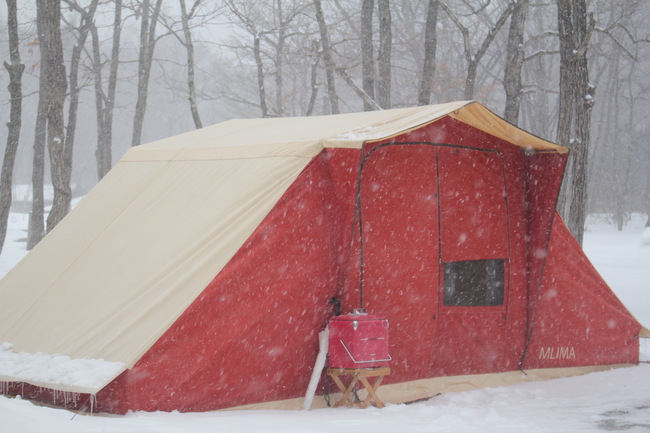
(115, 274)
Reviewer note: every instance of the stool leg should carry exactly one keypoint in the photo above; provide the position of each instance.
(347, 398)
(372, 396)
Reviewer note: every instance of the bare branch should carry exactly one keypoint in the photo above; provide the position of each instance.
(358, 90)
(541, 53)
(608, 32)
(464, 31)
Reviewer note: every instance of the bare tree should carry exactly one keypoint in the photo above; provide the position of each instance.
(576, 102)
(260, 75)
(279, 63)
(515, 61)
(247, 20)
(87, 17)
(330, 66)
(105, 101)
(473, 59)
(274, 28)
(198, 15)
(15, 70)
(48, 22)
(36, 225)
(430, 44)
(384, 54)
(315, 55)
(189, 47)
(148, 41)
(367, 52)
(619, 161)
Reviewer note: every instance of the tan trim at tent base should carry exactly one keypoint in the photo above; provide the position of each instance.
(407, 392)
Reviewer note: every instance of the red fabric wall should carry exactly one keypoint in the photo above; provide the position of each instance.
(543, 180)
(480, 197)
(578, 320)
(251, 336)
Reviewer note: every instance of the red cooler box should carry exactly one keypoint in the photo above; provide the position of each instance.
(358, 341)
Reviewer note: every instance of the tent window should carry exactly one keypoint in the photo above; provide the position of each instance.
(474, 283)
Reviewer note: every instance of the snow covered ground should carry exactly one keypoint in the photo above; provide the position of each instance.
(615, 400)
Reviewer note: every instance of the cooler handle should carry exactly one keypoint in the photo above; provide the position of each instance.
(362, 362)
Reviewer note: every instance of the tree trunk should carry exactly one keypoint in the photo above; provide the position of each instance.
(260, 75)
(189, 47)
(15, 70)
(87, 17)
(279, 63)
(100, 112)
(57, 85)
(367, 53)
(575, 27)
(584, 100)
(514, 62)
(314, 78)
(145, 59)
(329, 60)
(104, 154)
(384, 54)
(566, 100)
(36, 225)
(430, 45)
(105, 103)
(470, 80)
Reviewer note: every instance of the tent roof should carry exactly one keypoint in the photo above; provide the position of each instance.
(306, 136)
(115, 274)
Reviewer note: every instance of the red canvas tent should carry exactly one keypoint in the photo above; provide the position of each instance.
(197, 275)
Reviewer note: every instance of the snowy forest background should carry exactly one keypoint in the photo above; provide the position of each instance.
(570, 71)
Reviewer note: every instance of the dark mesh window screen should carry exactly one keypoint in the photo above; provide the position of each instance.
(474, 283)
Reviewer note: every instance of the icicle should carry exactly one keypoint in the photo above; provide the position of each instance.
(71, 399)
